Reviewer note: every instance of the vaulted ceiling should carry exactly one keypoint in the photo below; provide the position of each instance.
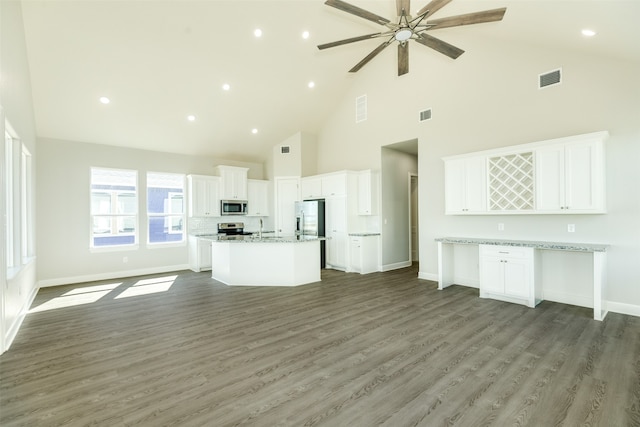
(159, 62)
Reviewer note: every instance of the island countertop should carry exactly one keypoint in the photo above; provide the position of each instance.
(265, 239)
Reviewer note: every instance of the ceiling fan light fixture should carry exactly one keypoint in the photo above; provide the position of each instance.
(403, 34)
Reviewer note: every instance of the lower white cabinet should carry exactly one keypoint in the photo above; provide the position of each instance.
(199, 254)
(364, 254)
(507, 273)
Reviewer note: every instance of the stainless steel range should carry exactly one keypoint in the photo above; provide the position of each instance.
(232, 231)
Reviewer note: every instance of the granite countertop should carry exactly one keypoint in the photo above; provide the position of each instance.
(268, 239)
(558, 246)
(364, 234)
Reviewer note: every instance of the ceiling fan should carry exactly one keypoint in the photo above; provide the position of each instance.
(411, 28)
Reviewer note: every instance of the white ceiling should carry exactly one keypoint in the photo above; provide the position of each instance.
(160, 61)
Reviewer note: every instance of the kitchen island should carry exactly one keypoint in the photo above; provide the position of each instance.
(266, 261)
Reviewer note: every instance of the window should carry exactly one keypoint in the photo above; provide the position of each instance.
(165, 207)
(114, 207)
(9, 206)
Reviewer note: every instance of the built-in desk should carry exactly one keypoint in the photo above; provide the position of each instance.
(446, 262)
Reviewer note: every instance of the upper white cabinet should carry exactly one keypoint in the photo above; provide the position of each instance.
(570, 178)
(465, 185)
(258, 197)
(560, 176)
(334, 184)
(368, 192)
(311, 187)
(204, 195)
(234, 182)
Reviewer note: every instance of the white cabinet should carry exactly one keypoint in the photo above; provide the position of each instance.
(204, 195)
(334, 184)
(258, 197)
(570, 178)
(363, 253)
(336, 232)
(287, 193)
(199, 254)
(233, 182)
(465, 185)
(311, 187)
(507, 273)
(368, 192)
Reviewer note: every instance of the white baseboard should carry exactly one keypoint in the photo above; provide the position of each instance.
(565, 298)
(397, 265)
(15, 327)
(622, 308)
(109, 276)
(427, 276)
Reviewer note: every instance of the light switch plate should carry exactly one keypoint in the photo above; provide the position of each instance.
(571, 228)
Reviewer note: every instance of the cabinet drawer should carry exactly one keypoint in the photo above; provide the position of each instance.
(505, 251)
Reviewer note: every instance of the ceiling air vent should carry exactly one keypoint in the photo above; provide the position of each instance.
(361, 108)
(285, 149)
(550, 79)
(425, 115)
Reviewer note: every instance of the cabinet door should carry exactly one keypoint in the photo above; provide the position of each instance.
(234, 182)
(465, 185)
(213, 196)
(491, 275)
(258, 197)
(286, 197)
(204, 254)
(334, 185)
(549, 190)
(516, 278)
(581, 177)
(336, 231)
(311, 187)
(355, 245)
(367, 193)
(204, 199)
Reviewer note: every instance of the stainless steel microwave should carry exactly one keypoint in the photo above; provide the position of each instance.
(233, 207)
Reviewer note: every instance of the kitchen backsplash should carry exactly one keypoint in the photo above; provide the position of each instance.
(210, 225)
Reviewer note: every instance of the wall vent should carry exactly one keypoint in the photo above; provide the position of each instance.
(361, 108)
(550, 79)
(285, 149)
(425, 115)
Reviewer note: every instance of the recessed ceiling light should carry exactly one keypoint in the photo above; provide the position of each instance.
(588, 33)
(191, 118)
(257, 32)
(226, 86)
(305, 35)
(311, 85)
(104, 100)
(254, 131)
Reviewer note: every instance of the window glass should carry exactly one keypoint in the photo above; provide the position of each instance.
(165, 207)
(114, 207)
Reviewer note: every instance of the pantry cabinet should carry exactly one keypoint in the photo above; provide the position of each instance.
(507, 274)
(204, 195)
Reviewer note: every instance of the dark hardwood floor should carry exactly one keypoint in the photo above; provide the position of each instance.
(379, 349)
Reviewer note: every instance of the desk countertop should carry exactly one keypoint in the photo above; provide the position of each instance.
(556, 246)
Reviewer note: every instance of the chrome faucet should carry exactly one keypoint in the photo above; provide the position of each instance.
(260, 232)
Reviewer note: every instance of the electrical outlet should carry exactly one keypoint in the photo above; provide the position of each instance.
(500, 226)
(571, 228)
(125, 259)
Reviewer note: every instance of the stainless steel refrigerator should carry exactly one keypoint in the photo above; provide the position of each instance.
(310, 222)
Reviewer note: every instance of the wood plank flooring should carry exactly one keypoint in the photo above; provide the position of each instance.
(379, 349)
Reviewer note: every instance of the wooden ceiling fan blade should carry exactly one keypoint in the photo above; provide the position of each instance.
(433, 6)
(355, 10)
(346, 41)
(403, 58)
(403, 5)
(369, 57)
(441, 46)
(469, 18)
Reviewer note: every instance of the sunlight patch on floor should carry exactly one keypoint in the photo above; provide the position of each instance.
(148, 286)
(77, 296)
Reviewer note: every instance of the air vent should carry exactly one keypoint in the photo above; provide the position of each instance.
(425, 115)
(285, 149)
(550, 79)
(361, 108)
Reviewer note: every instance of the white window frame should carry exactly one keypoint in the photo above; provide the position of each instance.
(168, 215)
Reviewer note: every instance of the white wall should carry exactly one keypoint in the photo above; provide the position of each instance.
(17, 291)
(489, 98)
(63, 210)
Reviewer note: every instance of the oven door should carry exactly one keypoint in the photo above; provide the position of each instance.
(233, 207)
